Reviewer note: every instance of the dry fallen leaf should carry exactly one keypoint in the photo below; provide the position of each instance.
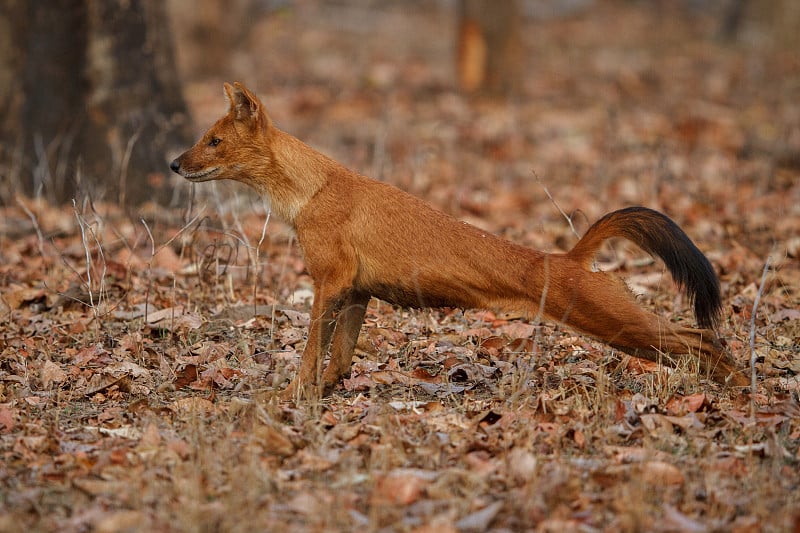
(192, 406)
(519, 330)
(174, 319)
(660, 473)
(457, 420)
(399, 487)
(52, 373)
(16, 298)
(272, 441)
(680, 405)
(7, 418)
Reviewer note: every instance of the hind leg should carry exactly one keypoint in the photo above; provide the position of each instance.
(698, 343)
(602, 306)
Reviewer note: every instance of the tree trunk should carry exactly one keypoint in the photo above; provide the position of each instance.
(489, 47)
(92, 104)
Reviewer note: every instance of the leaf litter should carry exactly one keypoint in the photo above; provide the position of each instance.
(146, 396)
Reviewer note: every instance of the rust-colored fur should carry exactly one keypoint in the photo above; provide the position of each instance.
(363, 238)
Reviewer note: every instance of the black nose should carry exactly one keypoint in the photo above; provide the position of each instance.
(175, 166)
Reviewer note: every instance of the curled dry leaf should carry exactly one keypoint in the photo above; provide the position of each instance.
(425, 375)
(18, 297)
(174, 319)
(680, 405)
(665, 424)
(493, 345)
(185, 376)
(100, 382)
(154, 316)
(192, 406)
(126, 368)
(361, 382)
(297, 318)
(518, 330)
(379, 335)
(52, 373)
(290, 336)
(479, 333)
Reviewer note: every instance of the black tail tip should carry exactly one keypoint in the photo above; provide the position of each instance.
(708, 303)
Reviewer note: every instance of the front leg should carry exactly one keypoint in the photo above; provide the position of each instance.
(345, 336)
(306, 383)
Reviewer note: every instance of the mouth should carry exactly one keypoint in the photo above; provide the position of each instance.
(202, 175)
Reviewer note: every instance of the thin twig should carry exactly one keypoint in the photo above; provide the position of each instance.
(41, 172)
(280, 284)
(153, 250)
(82, 227)
(35, 223)
(553, 200)
(123, 170)
(149, 234)
(753, 336)
(101, 289)
(258, 256)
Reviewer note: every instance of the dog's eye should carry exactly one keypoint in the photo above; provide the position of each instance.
(214, 141)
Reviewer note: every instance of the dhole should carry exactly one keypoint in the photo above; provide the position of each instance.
(363, 238)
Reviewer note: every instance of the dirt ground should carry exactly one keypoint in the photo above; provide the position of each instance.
(141, 356)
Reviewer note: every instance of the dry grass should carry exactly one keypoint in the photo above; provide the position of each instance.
(113, 421)
(140, 359)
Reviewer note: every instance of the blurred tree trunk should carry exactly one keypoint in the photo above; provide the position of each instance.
(489, 47)
(90, 99)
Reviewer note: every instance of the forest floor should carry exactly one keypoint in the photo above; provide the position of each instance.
(141, 357)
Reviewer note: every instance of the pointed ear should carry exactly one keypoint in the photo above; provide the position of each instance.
(228, 95)
(245, 106)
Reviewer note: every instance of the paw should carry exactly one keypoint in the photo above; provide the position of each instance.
(298, 392)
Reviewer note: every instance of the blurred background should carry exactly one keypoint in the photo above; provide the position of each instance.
(473, 104)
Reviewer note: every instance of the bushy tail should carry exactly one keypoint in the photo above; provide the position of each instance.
(658, 235)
